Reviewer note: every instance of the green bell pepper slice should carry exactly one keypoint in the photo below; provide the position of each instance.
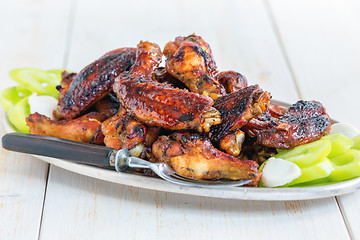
(41, 82)
(12, 95)
(356, 142)
(319, 170)
(347, 166)
(339, 144)
(308, 154)
(17, 115)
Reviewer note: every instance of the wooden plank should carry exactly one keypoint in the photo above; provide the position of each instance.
(23, 182)
(94, 209)
(250, 47)
(322, 42)
(33, 34)
(242, 38)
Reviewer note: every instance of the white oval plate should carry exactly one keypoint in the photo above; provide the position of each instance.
(241, 193)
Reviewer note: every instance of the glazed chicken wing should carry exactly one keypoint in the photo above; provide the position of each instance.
(237, 108)
(85, 129)
(193, 156)
(159, 104)
(123, 131)
(304, 122)
(190, 60)
(93, 82)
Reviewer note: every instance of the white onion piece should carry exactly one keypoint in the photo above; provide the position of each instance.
(42, 104)
(137, 150)
(277, 172)
(347, 129)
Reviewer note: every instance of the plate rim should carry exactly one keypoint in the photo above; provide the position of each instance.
(237, 193)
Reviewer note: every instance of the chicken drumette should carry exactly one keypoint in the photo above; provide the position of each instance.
(190, 60)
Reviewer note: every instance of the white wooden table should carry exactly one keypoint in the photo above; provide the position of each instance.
(294, 49)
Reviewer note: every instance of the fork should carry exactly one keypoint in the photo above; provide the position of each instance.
(100, 156)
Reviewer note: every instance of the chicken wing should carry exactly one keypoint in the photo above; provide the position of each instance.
(85, 129)
(237, 108)
(304, 122)
(231, 81)
(193, 156)
(123, 131)
(190, 60)
(159, 104)
(93, 82)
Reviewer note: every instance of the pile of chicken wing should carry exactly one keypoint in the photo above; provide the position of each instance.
(206, 124)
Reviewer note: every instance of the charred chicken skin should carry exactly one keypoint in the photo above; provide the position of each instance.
(190, 60)
(93, 82)
(66, 79)
(159, 104)
(193, 156)
(304, 122)
(237, 108)
(85, 129)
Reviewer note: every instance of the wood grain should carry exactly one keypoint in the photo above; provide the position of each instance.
(33, 34)
(93, 209)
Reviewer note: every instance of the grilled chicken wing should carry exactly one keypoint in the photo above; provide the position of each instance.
(193, 156)
(124, 131)
(93, 82)
(231, 81)
(190, 60)
(304, 122)
(237, 108)
(159, 104)
(85, 129)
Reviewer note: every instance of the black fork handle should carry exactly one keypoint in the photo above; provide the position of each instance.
(58, 148)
